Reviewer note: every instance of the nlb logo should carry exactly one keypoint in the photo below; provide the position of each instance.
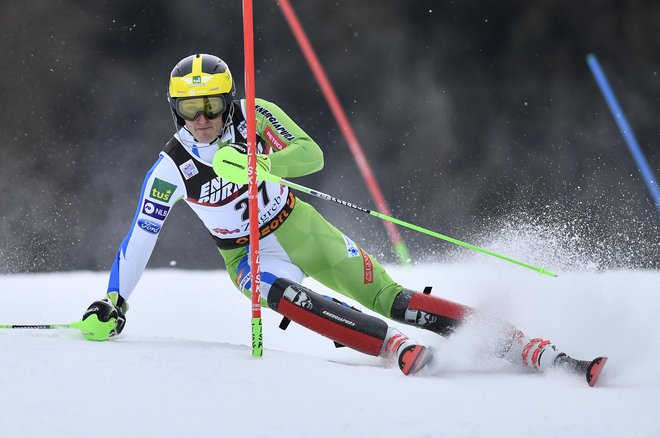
(155, 210)
(148, 226)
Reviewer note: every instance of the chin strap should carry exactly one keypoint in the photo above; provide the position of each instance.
(228, 115)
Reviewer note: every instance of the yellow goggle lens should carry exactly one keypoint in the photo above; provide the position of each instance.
(211, 106)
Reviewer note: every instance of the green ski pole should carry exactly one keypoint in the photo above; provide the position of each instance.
(321, 195)
(73, 325)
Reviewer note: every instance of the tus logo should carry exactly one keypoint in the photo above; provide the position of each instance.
(161, 190)
(197, 80)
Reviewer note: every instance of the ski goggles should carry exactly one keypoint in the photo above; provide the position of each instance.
(190, 108)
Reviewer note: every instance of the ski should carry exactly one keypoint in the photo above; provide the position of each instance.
(594, 369)
(589, 369)
(413, 358)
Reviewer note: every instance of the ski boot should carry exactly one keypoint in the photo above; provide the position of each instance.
(410, 356)
(541, 354)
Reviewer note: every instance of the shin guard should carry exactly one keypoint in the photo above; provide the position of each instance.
(428, 312)
(342, 324)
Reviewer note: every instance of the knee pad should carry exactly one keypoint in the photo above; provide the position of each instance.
(428, 312)
(330, 318)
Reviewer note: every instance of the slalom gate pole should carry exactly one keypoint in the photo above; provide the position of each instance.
(648, 176)
(253, 206)
(345, 126)
(388, 218)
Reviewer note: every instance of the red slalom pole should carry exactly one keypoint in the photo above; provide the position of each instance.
(253, 205)
(345, 127)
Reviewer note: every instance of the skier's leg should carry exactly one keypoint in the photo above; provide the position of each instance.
(324, 315)
(541, 354)
(274, 263)
(428, 312)
(443, 317)
(345, 325)
(324, 253)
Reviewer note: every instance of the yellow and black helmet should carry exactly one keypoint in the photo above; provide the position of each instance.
(200, 84)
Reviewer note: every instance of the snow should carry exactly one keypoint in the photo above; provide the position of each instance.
(183, 365)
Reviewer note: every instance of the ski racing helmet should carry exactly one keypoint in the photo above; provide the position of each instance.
(199, 84)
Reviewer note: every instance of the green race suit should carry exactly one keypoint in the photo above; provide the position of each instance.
(296, 241)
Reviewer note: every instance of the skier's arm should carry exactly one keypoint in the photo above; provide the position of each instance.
(293, 152)
(162, 187)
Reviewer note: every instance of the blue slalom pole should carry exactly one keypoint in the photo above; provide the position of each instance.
(647, 173)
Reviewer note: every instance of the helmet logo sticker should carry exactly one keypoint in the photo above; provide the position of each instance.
(197, 80)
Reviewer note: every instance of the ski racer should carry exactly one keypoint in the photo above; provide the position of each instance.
(295, 240)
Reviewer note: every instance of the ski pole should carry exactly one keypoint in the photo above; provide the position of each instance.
(321, 195)
(73, 325)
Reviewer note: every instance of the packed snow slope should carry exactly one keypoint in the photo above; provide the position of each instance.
(183, 366)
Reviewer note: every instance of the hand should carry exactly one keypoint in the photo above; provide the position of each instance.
(104, 318)
(230, 164)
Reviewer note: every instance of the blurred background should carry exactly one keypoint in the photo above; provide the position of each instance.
(477, 117)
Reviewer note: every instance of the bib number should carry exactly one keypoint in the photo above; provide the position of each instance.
(243, 204)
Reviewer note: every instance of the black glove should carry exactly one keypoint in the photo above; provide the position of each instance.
(122, 307)
(104, 318)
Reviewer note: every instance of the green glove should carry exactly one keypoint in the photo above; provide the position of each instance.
(230, 164)
(104, 318)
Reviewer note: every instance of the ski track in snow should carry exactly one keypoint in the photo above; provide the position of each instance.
(183, 366)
